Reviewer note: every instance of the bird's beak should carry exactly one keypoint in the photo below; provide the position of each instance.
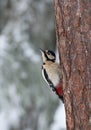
(43, 55)
(42, 51)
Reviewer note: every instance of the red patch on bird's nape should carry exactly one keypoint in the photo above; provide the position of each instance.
(59, 89)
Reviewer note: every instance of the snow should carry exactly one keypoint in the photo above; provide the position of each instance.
(21, 6)
(3, 44)
(59, 119)
(30, 53)
(11, 111)
(8, 118)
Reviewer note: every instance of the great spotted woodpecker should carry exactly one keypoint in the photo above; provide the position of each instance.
(51, 72)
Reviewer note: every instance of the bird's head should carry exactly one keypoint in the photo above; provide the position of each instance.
(48, 55)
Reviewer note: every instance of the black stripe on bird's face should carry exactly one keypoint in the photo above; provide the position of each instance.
(50, 55)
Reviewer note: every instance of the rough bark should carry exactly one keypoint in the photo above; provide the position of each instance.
(73, 29)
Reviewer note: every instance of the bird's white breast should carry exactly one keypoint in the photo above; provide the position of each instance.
(53, 73)
(54, 77)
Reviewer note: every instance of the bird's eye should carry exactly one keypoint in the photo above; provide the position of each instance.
(49, 53)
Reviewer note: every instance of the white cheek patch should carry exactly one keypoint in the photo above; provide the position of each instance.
(43, 57)
(51, 57)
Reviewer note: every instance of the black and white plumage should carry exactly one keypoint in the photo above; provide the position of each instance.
(51, 72)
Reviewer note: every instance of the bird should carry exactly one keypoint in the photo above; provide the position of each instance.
(52, 72)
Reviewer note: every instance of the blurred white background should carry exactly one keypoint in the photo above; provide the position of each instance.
(26, 103)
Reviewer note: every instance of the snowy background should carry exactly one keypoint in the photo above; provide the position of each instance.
(25, 101)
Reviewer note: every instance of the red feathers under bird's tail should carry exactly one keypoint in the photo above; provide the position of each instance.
(59, 91)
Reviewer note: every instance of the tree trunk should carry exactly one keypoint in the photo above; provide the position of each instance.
(73, 30)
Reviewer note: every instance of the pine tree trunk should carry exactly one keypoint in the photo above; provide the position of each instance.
(73, 30)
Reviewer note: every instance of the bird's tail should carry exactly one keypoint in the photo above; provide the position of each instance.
(58, 90)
